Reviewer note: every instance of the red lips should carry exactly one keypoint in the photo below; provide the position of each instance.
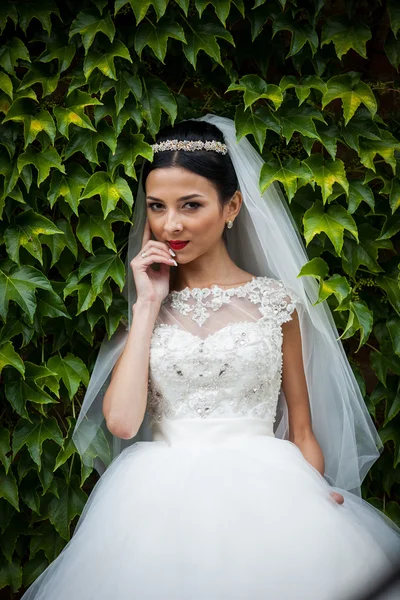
(177, 245)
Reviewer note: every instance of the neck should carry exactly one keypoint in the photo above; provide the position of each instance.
(215, 266)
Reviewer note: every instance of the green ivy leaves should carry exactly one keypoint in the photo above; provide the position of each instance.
(84, 91)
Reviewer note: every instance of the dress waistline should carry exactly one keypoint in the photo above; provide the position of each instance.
(214, 431)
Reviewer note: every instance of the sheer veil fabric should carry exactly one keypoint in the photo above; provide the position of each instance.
(265, 242)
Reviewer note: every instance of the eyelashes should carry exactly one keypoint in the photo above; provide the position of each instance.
(152, 205)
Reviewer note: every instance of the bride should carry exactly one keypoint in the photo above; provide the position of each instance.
(229, 430)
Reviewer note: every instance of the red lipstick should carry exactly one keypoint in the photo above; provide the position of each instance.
(176, 245)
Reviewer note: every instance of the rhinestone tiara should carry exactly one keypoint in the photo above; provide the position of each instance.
(191, 146)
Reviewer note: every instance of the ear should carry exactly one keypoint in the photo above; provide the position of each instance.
(232, 207)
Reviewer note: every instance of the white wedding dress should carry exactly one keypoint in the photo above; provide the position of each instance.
(216, 507)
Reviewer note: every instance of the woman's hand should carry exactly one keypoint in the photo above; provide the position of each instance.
(338, 497)
(151, 285)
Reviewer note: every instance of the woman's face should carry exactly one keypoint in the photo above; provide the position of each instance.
(184, 206)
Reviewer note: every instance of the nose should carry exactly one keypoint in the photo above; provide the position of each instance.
(172, 223)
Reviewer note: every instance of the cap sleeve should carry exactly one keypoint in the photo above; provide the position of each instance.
(280, 301)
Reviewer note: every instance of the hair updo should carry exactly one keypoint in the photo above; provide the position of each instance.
(214, 166)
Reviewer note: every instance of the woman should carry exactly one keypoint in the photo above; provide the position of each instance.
(250, 487)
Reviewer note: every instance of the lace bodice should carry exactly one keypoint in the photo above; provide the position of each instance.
(218, 352)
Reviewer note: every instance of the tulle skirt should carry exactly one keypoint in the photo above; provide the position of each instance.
(219, 511)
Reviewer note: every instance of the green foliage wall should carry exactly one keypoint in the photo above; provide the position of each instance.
(85, 86)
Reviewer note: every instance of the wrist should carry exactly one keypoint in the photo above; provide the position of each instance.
(146, 306)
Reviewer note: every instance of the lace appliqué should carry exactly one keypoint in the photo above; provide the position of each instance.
(225, 375)
(235, 371)
(270, 294)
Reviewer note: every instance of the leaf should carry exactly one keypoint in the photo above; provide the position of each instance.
(5, 447)
(61, 511)
(109, 191)
(86, 294)
(140, 7)
(294, 118)
(104, 61)
(333, 222)
(184, 5)
(391, 432)
(50, 305)
(222, 8)
(68, 186)
(130, 111)
(389, 283)
(255, 88)
(74, 113)
(287, 173)
(8, 356)
(302, 33)
(391, 48)
(43, 161)
(360, 126)
(58, 242)
(11, 52)
(88, 25)
(358, 192)
(360, 319)
(6, 85)
(86, 141)
(7, 11)
(385, 147)
(255, 121)
(19, 286)
(127, 151)
(326, 173)
(93, 224)
(126, 83)
(203, 36)
(366, 252)
(10, 172)
(72, 371)
(316, 267)
(346, 35)
(103, 265)
(32, 435)
(352, 92)
(25, 111)
(30, 9)
(302, 86)
(24, 231)
(394, 198)
(156, 97)
(57, 48)
(9, 489)
(43, 74)
(156, 36)
(394, 16)
(11, 575)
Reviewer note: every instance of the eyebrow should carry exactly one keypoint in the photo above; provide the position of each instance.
(181, 198)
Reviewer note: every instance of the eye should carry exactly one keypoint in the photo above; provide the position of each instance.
(153, 204)
(196, 203)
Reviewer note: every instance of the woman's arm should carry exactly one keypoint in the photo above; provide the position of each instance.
(125, 400)
(294, 385)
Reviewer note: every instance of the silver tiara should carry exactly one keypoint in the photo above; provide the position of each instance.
(190, 146)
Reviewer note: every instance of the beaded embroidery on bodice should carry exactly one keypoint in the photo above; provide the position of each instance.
(218, 352)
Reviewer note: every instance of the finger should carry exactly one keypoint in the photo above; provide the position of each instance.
(158, 258)
(157, 251)
(337, 497)
(146, 233)
(157, 244)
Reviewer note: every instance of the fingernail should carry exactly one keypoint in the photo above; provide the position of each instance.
(175, 263)
(171, 252)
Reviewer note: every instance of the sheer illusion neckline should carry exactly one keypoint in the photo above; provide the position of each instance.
(189, 291)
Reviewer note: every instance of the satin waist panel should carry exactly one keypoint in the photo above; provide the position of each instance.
(210, 431)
